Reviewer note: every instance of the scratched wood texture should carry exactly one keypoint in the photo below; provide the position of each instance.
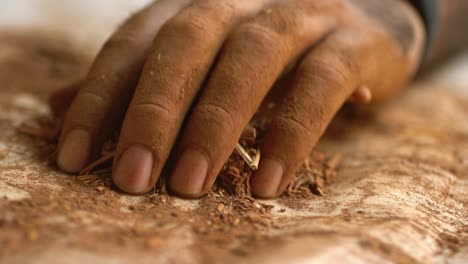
(401, 194)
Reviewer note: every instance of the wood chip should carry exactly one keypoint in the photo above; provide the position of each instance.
(255, 161)
(244, 154)
(103, 159)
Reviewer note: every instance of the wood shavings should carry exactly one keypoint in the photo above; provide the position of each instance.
(255, 161)
(230, 203)
(252, 162)
(317, 171)
(88, 215)
(235, 176)
(105, 158)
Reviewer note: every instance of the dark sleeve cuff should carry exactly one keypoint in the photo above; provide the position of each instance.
(429, 10)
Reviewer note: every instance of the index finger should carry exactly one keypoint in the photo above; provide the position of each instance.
(104, 95)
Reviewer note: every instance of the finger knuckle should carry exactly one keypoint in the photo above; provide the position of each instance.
(187, 25)
(152, 109)
(282, 20)
(220, 8)
(333, 71)
(257, 36)
(270, 29)
(217, 116)
(297, 129)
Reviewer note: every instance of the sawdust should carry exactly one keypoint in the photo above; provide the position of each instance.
(228, 209)
(228, 215)
(317, 171)
(363, 186)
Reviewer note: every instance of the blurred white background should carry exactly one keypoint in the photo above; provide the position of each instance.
(86, 22)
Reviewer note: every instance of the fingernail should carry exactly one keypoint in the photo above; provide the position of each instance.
(75, 151)
(190, 173)
(267, 179)
(133, 171)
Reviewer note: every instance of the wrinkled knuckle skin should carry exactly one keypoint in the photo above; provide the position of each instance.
(216, 117)
(227, 7)
(257, 37)
(297, 128)
(332, 74)
(272, 26)
(323, 83)
(282, 20)
(187, 25)
(151, 109)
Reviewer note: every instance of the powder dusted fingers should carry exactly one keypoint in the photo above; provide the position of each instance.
(235, 89)
(208, 65)
(103, 97)
(329, 74)
(182, 55)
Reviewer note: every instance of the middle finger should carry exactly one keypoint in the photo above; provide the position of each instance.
(181, 57)
(253, 58)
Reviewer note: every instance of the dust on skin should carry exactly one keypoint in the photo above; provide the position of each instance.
(387, 189)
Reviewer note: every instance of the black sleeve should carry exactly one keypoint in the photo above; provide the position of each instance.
(429, 12)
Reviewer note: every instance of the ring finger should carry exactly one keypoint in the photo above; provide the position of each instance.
(254, 57)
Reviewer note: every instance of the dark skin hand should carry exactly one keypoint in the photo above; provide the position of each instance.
(186, 77)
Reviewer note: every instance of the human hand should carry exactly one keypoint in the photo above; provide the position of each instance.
(187, 76)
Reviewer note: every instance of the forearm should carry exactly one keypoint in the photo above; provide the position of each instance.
(446, 22)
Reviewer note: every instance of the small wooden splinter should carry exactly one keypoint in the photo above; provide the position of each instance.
(103, 159)
(256, 160)
(252, 162)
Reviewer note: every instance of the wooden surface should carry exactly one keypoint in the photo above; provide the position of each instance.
(400, 196)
